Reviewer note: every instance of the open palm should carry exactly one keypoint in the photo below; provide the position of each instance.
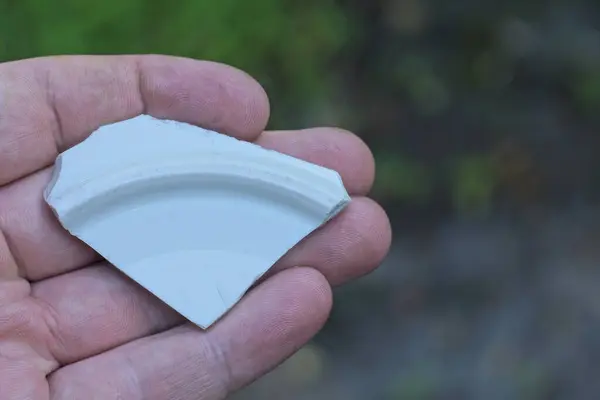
(72, 326)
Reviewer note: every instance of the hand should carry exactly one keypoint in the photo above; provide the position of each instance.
(71, 326)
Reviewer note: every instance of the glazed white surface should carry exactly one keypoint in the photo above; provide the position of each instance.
(194, 216)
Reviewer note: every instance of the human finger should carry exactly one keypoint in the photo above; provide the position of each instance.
(49, 104)
(185, 363)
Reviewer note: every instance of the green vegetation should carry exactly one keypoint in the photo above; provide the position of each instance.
(463, 78)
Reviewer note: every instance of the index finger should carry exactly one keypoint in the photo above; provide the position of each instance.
(50, 104)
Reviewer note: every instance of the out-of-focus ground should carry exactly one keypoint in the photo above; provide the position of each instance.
(483, 116)
(471, 310)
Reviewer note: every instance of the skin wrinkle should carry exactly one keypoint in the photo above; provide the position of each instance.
(13, 290)
(140, 84)
(51, 323)
(214, 385)
(130, 371)
(9, 269)
(24, 323)
(17, 262)
(57, 134)
(224, 362)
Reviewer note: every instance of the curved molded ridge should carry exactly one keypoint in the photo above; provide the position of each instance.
(194, 216)
(298, 185)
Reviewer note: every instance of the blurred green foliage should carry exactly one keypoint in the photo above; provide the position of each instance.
(403, 177)
(421, 382)
(472, 183)
(416, 76)
(285, 44)
(457, 84)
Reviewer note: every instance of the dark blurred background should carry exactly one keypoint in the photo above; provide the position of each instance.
(483, 116)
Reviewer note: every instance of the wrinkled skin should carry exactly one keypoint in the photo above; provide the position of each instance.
(71, 326)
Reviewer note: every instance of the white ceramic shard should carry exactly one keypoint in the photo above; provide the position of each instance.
(194, 216)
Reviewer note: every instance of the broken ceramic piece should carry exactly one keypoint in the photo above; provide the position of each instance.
(194, 216)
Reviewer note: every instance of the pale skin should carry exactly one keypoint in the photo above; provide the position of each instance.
(71, 326)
